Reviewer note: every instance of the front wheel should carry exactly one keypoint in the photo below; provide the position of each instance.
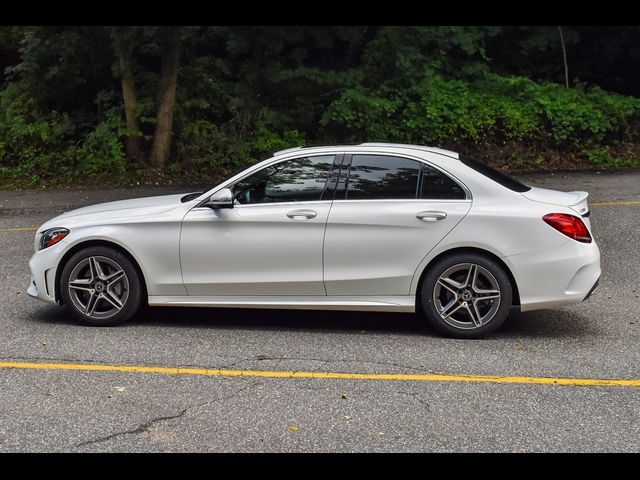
(100, 287)
(466, 295)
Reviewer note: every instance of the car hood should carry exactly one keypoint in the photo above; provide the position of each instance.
(120, 209)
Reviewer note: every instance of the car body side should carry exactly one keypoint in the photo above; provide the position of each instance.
(494, 219)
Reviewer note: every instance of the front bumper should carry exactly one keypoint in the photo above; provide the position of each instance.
(43, 266)
(32, 289)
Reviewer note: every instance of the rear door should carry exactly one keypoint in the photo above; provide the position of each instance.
(388, 213)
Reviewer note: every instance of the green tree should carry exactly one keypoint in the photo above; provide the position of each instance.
(125, 40)
(75, 99)
(170, 39)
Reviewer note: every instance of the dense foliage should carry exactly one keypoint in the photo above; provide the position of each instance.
(240, 93)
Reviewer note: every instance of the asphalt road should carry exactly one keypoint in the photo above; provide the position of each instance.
(60, 410)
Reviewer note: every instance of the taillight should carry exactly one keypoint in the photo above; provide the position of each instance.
(570, 225)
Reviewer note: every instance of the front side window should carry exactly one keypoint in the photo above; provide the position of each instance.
(298, 180)
(380, 177)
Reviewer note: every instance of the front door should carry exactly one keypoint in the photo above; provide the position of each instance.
(270, 243)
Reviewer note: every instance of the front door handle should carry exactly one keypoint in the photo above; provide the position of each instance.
(431, 216)
(302, 214)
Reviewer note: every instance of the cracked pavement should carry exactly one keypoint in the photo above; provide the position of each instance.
(52, 410)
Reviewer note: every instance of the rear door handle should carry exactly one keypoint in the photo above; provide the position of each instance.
(302, 214)
(431, 216)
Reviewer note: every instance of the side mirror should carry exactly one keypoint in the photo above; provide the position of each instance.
(221, 199)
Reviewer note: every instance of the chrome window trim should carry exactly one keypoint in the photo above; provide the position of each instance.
(251, 205)
(414, 200)
(324, 202)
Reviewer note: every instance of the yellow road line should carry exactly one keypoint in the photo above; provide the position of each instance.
(605, 204)
(594, 382)
(19, 229)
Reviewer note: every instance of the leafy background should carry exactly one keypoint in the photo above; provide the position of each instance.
(496, 93)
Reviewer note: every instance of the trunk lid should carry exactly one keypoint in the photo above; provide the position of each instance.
(576, 201)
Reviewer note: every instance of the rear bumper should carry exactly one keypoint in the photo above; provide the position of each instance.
(595, 285)
(559, 276)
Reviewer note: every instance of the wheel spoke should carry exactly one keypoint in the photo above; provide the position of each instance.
(474, 314)
(98, 269)
(93, 271)
(471, 275)
(448, 311)
(115, 277)
(488, 294)
(450, 283)
(481, 291)
(112, 299)
(446, 283)
(91, 304)
(81, 284)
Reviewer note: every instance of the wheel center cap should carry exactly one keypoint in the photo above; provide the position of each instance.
(466, 295)
(99, 287)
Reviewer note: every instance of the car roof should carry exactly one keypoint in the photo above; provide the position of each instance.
(368, 147)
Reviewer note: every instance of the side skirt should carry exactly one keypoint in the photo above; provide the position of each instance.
(401, 303)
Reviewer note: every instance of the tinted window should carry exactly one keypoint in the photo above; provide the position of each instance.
(495, 175)
(438, 186)
(374, 177)
(299, 180)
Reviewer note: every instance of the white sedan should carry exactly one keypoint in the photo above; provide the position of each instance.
(377, 227)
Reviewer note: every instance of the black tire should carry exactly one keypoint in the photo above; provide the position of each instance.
(131, 292)
(460, 324)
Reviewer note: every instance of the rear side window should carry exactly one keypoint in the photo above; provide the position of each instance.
(495, 175)
(437, 186)
(379, 177)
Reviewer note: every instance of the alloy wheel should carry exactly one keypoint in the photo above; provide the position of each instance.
(467, 296)
(98, 287)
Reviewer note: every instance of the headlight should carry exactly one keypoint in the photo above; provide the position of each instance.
(52, 236)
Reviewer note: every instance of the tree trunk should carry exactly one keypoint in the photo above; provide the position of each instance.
(132, 141)
(167, 100)
(564, 58)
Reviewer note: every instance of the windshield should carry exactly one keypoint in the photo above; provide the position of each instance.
(495, 175)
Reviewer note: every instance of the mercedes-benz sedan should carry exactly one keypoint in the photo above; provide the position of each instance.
(378, 227)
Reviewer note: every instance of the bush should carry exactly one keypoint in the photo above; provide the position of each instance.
(37, 146)
(207, 149)
(511, 121)
(32, 144)
(204, 148)
(102, 149)
(487, 111)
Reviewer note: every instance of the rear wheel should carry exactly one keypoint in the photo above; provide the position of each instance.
(466, 295)
(101, 287)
